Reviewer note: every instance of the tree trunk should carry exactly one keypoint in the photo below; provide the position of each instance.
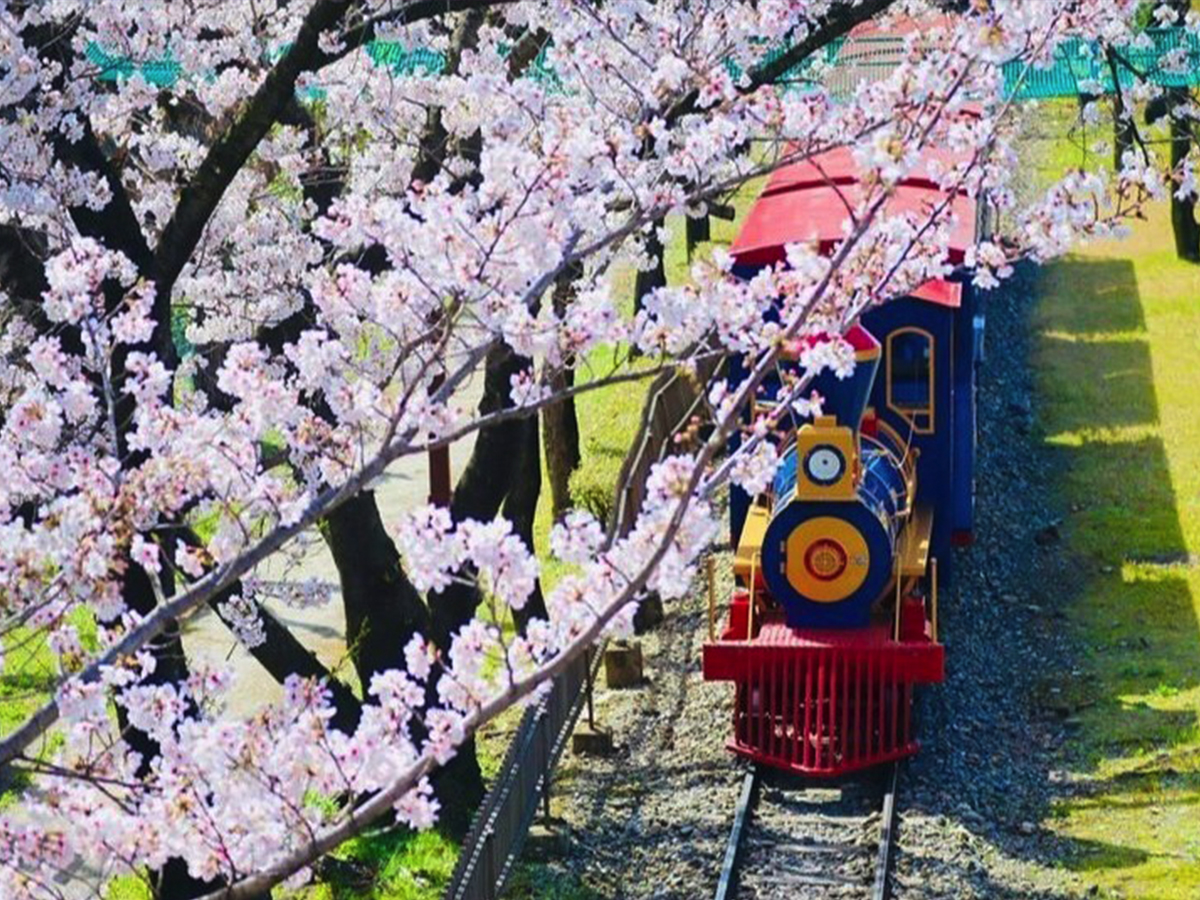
(560, 424)
(383, 609)
(1183, 211)
(520, 508)
(697, 232)
(481, 490)
(560, 437)
(482, 487)
(431, 152)
(1124, 129)
(656, 276)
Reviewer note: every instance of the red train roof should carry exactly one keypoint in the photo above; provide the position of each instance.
(862, 341)
(903, 25)
(807, 202)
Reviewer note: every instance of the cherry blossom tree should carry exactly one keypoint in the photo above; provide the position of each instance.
(346, 244)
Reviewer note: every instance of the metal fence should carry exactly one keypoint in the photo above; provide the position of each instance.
(494, 843)
(498, 833)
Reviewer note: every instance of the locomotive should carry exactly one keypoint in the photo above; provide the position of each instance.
(833, 618)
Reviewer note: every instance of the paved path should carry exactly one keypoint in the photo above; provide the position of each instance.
(321, 629)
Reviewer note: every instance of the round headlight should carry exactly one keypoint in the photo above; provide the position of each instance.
(824, 464)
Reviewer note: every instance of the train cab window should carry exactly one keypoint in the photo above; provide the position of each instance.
(910, 377)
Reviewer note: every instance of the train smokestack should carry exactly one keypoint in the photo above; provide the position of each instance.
(847, 398)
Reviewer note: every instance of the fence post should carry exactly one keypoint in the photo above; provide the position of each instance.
(587, 674)
(489, 867)
(546, 765)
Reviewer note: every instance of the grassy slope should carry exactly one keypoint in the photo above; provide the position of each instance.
(1117, 349)
(28, 675)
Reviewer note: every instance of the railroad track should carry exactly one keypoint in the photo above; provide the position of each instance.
(798, 840)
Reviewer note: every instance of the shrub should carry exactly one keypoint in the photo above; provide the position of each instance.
(594, 482)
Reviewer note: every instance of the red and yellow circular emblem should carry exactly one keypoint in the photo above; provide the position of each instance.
(825, 559)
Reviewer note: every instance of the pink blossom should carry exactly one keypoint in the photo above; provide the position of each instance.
(146, 554)
(418, 808)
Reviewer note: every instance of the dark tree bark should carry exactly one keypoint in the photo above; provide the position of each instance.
(482, 487)
(520, 508)
(496, 467)
(560, 424)
(698, 231)
(431, 153)
(560, 438)
(1183, 210)
(383, 609)
(1175, 103)
(1124, 131)
(655, 277)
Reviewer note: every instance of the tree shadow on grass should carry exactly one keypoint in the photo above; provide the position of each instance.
(1078, 535)
(1128, 567)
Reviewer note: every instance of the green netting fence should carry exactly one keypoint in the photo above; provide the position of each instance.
(1168, 57)
(417, 61)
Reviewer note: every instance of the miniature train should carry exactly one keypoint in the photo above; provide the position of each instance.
(833, 620)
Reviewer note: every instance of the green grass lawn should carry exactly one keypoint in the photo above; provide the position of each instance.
(1117, 359)
(28, 676)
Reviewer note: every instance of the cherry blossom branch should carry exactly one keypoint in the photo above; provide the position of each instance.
(199, 592)
(393, 448)
(359, 817)
(229, 154)
(837, 23)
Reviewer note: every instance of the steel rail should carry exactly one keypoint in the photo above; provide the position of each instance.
(882, 887)
(727, 884)
(884, 856)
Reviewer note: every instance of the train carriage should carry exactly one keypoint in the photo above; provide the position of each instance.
(833, 620)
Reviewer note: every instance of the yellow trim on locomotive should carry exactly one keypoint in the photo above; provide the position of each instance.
(824, 432)
(913, 414)
(791, 352)
(864, 355)
(827, 559)
(750, 544)
(912, 558)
